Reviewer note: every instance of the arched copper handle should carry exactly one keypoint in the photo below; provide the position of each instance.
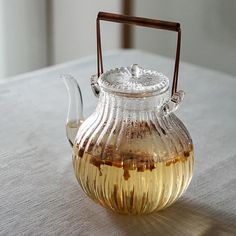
(145, 22)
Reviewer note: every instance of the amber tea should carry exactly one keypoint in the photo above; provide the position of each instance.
(133, 186)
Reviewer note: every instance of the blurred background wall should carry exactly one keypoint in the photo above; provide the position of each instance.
(208, 31)
(73, 28)
(35, 34)
(23, 36)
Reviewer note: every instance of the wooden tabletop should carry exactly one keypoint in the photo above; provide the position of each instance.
(39, 194)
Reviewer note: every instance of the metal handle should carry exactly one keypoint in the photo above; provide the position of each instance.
(145, 22)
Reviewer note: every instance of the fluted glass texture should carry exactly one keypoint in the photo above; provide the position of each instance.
(130, 158)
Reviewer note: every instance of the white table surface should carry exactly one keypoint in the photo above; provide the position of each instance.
(39, 194)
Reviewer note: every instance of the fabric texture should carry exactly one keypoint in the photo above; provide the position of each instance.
(39, 194)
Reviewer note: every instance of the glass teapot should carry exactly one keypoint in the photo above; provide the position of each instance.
(132, 154)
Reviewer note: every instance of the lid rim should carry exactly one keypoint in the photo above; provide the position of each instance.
(136, 95)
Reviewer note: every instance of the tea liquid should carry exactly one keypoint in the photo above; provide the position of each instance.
(139, 188)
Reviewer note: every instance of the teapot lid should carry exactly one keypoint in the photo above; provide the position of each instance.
(133, 80)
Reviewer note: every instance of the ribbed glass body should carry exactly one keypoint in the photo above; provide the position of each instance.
(131, 159)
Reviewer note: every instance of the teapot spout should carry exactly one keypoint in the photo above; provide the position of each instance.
(75, 110)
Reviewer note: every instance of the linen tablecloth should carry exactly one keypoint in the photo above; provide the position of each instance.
(39, 194)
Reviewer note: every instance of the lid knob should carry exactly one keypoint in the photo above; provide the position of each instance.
(135, 70)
